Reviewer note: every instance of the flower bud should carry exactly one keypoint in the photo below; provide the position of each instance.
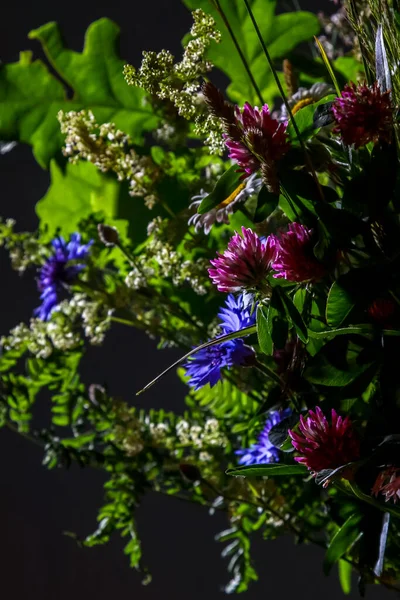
(108, 234)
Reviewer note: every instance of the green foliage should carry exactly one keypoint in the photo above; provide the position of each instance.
(225, 400)
(305, 120)
(75, 193)
(31, 97)
(266, 204)
(240, 566)
(263, 330)
(330, 340)
(342, 541)
(79, 190)
(345, 572)
(281, 33)
(323, 371)
(338, 306)
(268, 470)
(225, 187)
(294, 317)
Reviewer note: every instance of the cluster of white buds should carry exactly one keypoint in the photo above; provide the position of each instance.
(40, 338)
(24, 248)
(179, 82)
(95, 318)
(159, 259)
(34, 338)
(109, 149)
(138, 277)
(127, 432)
(201, 437)
(63, 330)
(159, 433)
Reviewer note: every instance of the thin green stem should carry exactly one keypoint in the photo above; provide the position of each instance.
(168, 209)
(127, 255)
(285, 100)
(122, 321)
(239, 50)
(267, 372)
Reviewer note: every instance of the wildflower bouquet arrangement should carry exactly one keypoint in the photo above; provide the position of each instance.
(257, 230)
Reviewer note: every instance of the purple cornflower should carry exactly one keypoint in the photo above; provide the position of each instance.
(205, 366)
(294, 259)
(237, 313)
(263, 451)
(59, 271)
(244, 264)
(363, 114)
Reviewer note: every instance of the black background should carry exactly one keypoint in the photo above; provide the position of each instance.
(36, 506)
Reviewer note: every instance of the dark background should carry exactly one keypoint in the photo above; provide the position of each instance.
(36, 505)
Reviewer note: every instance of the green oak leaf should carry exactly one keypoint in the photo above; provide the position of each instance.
(281, 34)
(30, 96)
(74, 194)
(79, 190)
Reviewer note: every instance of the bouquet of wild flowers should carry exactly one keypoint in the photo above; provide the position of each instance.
(269, 254)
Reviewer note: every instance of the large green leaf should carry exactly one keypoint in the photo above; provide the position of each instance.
(294, 316)
(70, 195)
(226, 187)
(345, 572)
(281, 33)
(30, 96)
(342, 541)
(263, 332)
(268, 470)
(339, 305)
(323, 371)
(80, 190)
(305, 120)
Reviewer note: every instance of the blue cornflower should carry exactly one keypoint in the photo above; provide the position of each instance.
(56, 274)
(237, 313)
(205, 366)
(263, 451)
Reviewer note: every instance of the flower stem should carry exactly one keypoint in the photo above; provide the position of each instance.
(239, 50)
(267, 372)
(122, 321)
(285, 100)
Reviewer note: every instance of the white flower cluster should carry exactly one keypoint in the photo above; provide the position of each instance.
(24, 249)
(62, 331)
(201, 437)
(40, 338)
(127, 432)
(160, 259)
(95, 318)
(179, 82)
(138, 277)
(109, 149)
(159, 432)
